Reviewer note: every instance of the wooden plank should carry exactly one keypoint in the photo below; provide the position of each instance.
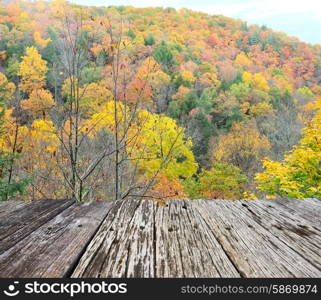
(185, 247)
(308, 208)
(123, 246)
(295, 231)
(254, 251)
(184, 238)
(7, 207)
(53, 249)
(143, 239)
(168, 257)
(17, 224)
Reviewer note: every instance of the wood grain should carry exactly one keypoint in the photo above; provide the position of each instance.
(141, 238)
(254, 250)
(123, 246)
(296, 232)
(18, 223)
(185, 245)
(53, 249)
(7, 207)
(308, 208)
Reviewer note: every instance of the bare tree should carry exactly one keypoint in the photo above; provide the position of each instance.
(128, 181)
(104, 166)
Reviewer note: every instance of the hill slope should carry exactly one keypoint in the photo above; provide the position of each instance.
(241, 92)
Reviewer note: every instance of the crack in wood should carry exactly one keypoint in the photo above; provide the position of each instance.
(183, 238)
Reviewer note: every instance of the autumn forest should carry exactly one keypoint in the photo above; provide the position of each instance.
(105, 103)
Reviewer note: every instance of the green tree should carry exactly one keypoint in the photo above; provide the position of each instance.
(149, 40)
(131, 33)
(254, 38)
(174, 110)
(201, 130)
(190, 102)
(164, 56)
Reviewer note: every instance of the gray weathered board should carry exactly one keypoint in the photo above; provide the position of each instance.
(183, 238)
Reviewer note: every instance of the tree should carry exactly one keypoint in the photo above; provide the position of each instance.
(282, 128)
(165, 147)
(242, 147)
(242, 60)
(256, 81)
(164, 55)
(298, 175)
(165, 188)
(38, 103)
(40, 41)
(222, 181)
(6, 88)
(156, 148)
(149, 40)
(41, 161)
(199, 127)
(32, 71)
(103, 126)
(190, 101)
(74, 162)
(93, 96)
(8, 185)
(148, 83)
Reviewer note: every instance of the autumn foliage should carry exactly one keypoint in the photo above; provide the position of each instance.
(121, 102)
(298, 175)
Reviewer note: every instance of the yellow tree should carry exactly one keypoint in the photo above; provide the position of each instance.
(36, 147)
(40, 41)
(9, 143)
(11, 140)
(242, 60)
(154, 146)
(95, 95)
(256, 81)
(92, 96)
(39, 161)
(298, 175)
(6, 88)
(242, 147)
(162, 144)
(38, 103)
(32, 71)
(188, 76)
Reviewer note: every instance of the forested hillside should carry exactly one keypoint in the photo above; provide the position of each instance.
(102, 103)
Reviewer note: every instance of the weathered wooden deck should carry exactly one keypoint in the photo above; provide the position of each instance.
(219, 238)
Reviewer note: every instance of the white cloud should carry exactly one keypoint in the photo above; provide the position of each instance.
(136, 3)
(249, 8)
(277, 14)
(262, 9)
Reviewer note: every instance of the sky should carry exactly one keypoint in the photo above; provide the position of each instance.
(300, 18)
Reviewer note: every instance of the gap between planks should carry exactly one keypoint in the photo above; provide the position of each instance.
(140, 238)
(55, 247)
(255, 249)
(22, 219)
